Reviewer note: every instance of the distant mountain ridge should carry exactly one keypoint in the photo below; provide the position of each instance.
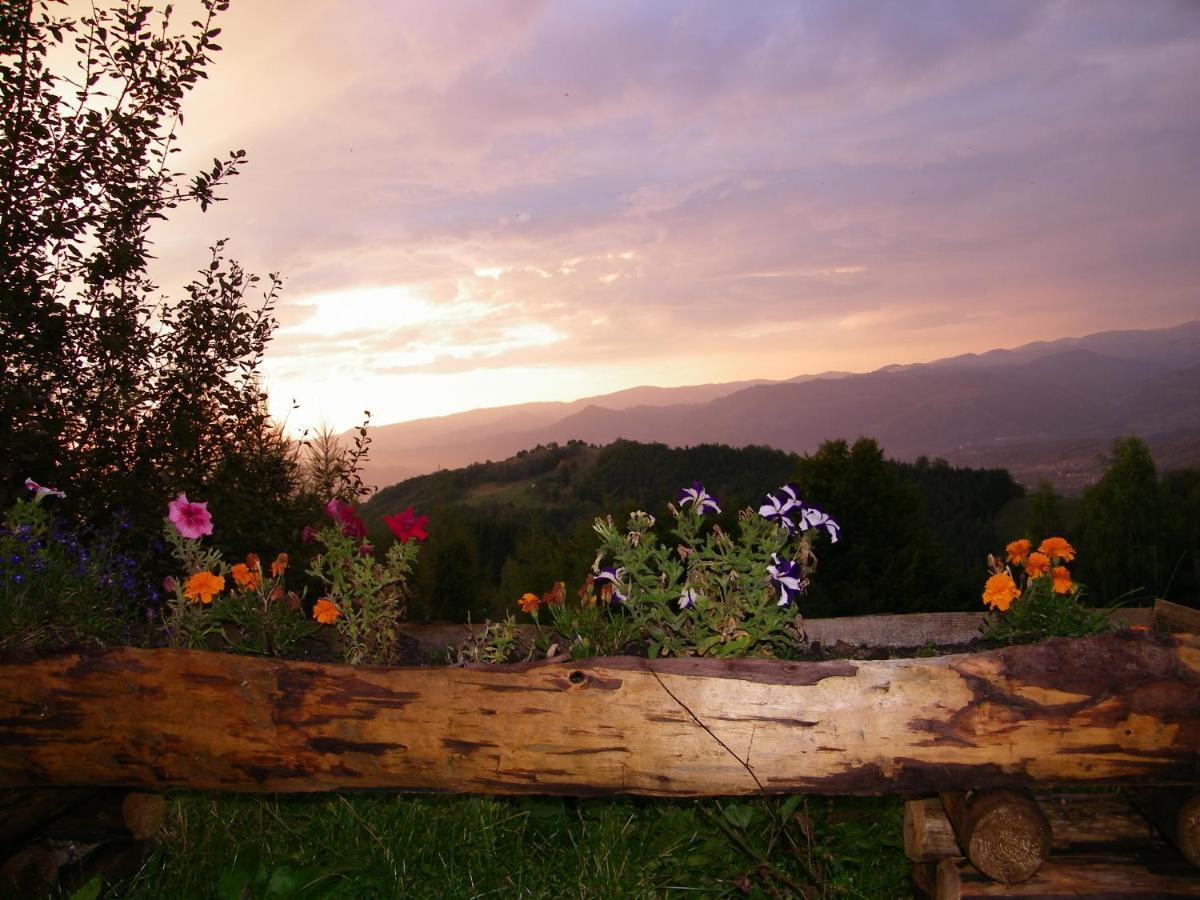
(1020, 408)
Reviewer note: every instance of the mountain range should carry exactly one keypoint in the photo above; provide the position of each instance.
(1043, 410)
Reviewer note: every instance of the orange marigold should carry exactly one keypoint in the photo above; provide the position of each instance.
(245, 577)
(1057, 548)
(529, 602)
(1037, 564)
(1017, 551)
(279, 566)
(252, 562)
(326, 612)
(1000, 591)
(203, 586)
(1062, 580)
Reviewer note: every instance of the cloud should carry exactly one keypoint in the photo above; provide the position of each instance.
(631, 189)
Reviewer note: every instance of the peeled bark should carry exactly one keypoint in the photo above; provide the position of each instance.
(1108, 710)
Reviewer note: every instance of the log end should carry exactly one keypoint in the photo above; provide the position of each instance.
(1187, 827)
(1007, 836)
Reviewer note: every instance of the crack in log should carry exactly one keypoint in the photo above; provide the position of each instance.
(695, 718)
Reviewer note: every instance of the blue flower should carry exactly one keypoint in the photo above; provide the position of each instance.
(697, 495)
(688, 598)
(786, 578)
(609, 580)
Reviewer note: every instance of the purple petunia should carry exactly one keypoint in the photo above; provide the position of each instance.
(688, 598)
(701, 499)
(40, 490)
(779, 506)
(609, 580)
(786, 578)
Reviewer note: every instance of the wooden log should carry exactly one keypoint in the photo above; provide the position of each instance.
(1118, 709)
(1077, 821)
(1170, 616)
(110, 815)
(23, 811)
(1003, 832)
(1176, 814)
(31, 871)
(1160, 876)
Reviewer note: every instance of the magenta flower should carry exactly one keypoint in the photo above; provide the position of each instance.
(308, 535)
(343, 513)
(407, 526)
(192, 520)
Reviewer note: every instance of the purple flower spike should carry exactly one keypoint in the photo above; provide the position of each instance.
(703, 501)
(786, 578)
(609, 580)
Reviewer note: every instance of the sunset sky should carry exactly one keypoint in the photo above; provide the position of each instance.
(475, 204)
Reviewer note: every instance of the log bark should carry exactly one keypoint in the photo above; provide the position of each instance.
(1170, 616)
(1107, 876)
(110, 815)
(1003, 833)
(24, 811)
(1176, 814)
(1077, 821)
(1120, 709)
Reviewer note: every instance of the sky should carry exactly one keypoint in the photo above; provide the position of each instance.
(482, 203)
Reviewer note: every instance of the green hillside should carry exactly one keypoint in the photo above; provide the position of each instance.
(914, 535)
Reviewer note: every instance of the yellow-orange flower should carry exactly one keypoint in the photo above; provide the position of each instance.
(245, 577)
(1037, 564)
(326, 612)
(1057, 548)
(529, 602)
(279, 566)
(203, 586)
(1062, 580)
(1017, 551)
(1000, 591)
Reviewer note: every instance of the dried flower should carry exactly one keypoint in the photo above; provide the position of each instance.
(203, 586)
(191, 520)
(279, 565)
(1057, 549)
(529, 602)
(1037, 565)
(1017, 551)
(407, 526)
(253, 562)
(1000, 591)
(326, 612)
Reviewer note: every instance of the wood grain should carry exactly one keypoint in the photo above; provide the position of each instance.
(1120, 709)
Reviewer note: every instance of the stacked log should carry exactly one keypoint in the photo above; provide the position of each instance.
(55, 839)
(1011, 844)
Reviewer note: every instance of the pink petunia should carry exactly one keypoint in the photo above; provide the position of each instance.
(40, 491)
(192, 520)
(407, 526)
(343, 514)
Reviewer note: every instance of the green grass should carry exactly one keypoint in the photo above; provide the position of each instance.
(447, 846)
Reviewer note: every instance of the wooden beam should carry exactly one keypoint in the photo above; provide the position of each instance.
(1119, 709)
(1077, 821)
(1152, 876)
(1170, 616)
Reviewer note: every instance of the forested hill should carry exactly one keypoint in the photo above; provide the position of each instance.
(914, 534)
